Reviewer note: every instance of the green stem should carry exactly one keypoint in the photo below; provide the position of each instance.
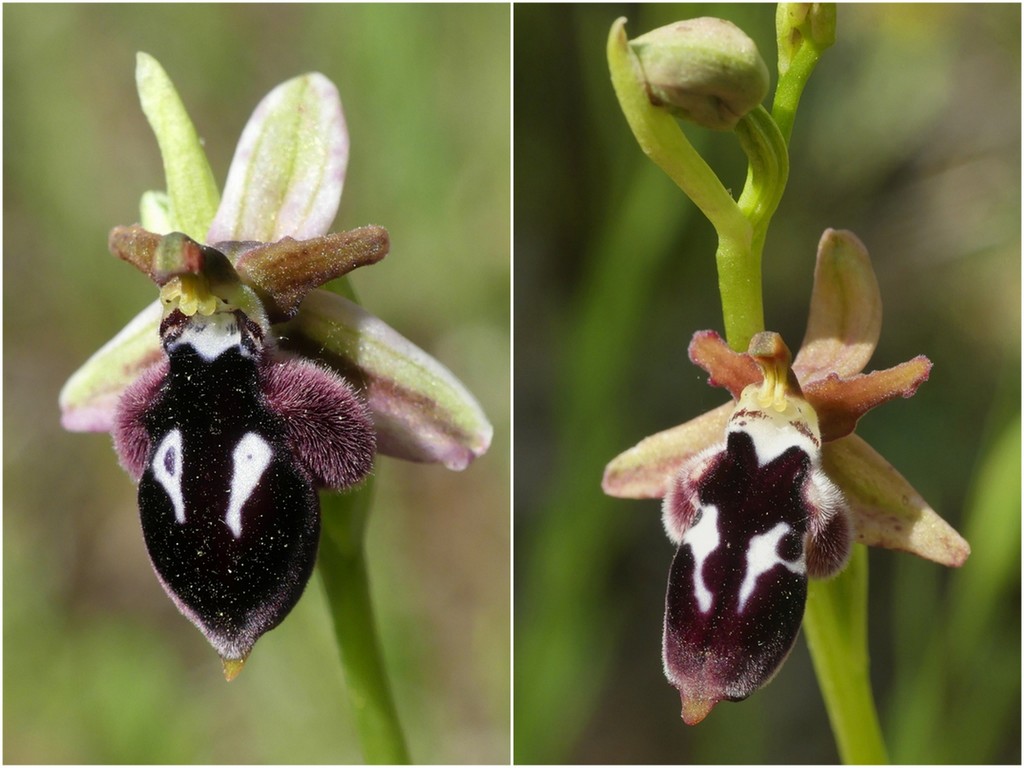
(739, 273)
(804, 32)
(739, 283)
(791, 87)
(342, 566)
(836, 616)
(836, 626)
(661, 139)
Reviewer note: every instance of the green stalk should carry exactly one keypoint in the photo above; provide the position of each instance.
(836, 626)
(804, 31)
(342, 566)
(836, 616)
(791, 87)
(766, 181)
(662, 140)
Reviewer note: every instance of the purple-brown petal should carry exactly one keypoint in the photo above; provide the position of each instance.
(163, 257)
(284, 272)
(646, 470)
(840, 403)
(885, 509)
(846, 310)
(731, 370)
(137, 246)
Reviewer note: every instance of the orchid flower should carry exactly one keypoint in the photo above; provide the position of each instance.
(729, 625)
(245, 387)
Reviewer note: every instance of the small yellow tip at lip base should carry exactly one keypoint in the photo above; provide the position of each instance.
(232, 667)
(696, 709)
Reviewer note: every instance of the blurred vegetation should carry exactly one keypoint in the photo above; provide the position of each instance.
(98, 665)
(908, 134)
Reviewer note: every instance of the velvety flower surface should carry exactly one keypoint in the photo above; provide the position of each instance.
(245, 388)
(768, 490)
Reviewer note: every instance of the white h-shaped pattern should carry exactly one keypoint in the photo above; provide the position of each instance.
(761, 556)
(210, 336)
(251, 457)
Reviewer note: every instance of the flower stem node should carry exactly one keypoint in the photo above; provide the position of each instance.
(705, 70)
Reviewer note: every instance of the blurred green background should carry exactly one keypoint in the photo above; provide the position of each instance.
(98, 665)
(909, 134)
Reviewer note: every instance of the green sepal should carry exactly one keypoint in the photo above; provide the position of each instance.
(191, 188)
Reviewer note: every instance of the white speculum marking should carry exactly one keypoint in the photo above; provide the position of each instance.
(703, 539)
(167, 465)
(762, 556)
(251, 458)
(211, 336)
(772, 438)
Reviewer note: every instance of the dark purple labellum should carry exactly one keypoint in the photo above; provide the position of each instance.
(231, 521)
(751, 519)
(230, 448)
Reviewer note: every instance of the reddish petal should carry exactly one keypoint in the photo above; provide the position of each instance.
(286, 271)
(846, 310)
(731, 370)
(840, 403)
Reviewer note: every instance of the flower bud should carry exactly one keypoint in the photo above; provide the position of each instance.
(705, 70)
(798, 24)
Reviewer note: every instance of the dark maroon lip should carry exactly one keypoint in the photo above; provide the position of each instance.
(737, 586)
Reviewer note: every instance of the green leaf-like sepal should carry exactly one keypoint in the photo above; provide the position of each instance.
(191, 187)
